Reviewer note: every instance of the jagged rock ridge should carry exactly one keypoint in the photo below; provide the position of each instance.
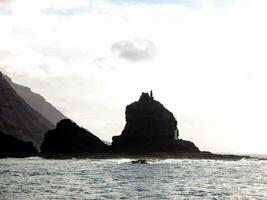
(37, 102)
(150, 127)
(18, 119)
(69, 138)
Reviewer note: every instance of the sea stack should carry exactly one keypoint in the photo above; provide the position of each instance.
(70, 139)
(150, 127)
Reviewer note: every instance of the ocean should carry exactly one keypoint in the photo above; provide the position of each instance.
(37, 178)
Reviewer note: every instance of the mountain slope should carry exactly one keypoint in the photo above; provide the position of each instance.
(18, 119)
(37, 102)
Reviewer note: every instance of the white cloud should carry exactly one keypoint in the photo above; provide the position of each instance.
(5, 54)
(135, 51)
(64, 54)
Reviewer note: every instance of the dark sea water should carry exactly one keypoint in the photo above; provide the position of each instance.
(36, 178)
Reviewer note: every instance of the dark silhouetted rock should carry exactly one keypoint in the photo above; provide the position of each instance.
(18, 119)
(150, 128)
(10, 146)
(37, 102)
(139, 162)
(69, 138)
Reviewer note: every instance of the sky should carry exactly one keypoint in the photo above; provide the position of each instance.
(205, 61)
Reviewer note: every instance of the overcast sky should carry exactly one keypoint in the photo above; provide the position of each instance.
(204, 59)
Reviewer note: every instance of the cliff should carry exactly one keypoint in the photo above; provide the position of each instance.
(150, 127)
(10, 146)
(68, 138)
(18, 119)
(37, 102)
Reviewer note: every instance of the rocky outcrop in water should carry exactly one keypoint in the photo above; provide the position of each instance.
(37, 102)
(68, 138)
(18, 119)
(150, 127)
(10, 146)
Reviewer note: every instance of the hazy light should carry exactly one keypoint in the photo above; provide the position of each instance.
(206, 63)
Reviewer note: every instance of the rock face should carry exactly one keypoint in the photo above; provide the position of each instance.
(150, 127)
(11, 146)
(18, 119)
(37, 102)
(69, 138)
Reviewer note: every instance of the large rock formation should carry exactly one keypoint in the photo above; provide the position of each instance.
(10, 146)
(18, 119)
(150, 128)
(37, 102)
(69, 138)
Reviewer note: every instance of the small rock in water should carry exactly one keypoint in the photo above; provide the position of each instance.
(139, 162)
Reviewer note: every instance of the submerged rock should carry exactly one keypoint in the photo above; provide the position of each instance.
(10, 146)
(150, 127)
(139, 162)
(69, 138)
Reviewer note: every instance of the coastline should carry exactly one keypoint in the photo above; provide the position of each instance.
(151, 156)
(139, 156)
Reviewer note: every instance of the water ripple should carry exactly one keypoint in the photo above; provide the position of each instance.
(36, 178)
